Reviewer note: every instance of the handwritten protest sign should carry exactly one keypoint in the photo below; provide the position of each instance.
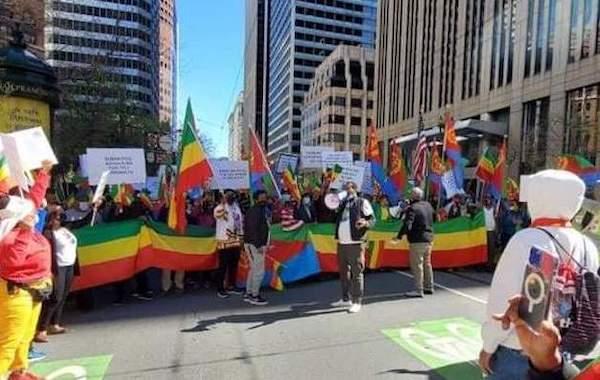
(310, 156)
(11, 152)
(126, 166)
(352, 173)
(230, 175)
(330, 159)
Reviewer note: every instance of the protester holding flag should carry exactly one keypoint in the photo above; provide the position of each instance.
(25, 276)
(354, 217)
(228, 235)
(418, 228)
(256, 243)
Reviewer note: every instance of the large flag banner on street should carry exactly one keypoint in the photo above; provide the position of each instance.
(116, 251)
(194, 170)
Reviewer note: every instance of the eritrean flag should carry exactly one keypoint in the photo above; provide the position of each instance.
(453, 152)
(261, 177)
(194, 171)
(580, 166)
(373, 155)
(398, 170)
(436, 170)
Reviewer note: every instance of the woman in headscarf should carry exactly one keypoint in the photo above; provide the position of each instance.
(25, 276)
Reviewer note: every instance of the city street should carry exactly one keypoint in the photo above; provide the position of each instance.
(298, 336)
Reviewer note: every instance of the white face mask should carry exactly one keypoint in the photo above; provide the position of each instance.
(306, 201)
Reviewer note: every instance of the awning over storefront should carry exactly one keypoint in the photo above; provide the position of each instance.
(464, 128)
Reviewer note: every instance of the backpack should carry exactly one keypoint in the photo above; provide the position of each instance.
(575, 302)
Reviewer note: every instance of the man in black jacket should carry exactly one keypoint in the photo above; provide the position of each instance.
(418, 227)
(354, 217)
(256, 241)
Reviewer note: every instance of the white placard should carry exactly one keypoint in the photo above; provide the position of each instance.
(330, 159)
(286, 160)
(367, 184)
(310, 156)
(33, 148)
(15, 165)
(83, 165)
(233, 175)
(352, 173)
(126, 166)
(101, 187)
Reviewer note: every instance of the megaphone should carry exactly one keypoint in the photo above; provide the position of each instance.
(333, 200)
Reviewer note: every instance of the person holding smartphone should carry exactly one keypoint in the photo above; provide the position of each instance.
(503, 356)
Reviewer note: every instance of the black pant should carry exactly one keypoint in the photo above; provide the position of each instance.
(52, 309)
(228, 263)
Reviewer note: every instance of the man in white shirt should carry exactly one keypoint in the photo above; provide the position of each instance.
(489, 212)
(354, 217)
(553, 198)
(229, 233)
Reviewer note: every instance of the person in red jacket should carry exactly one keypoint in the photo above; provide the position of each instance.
(25, 277)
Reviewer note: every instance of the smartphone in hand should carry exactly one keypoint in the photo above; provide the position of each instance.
(537, 285)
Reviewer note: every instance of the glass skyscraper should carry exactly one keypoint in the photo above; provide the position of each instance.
(301, 34)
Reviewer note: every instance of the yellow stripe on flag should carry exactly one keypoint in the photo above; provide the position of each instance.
(192, 155)
(109, 251)
(182, 244)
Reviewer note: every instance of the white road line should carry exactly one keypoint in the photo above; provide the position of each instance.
(454, 291)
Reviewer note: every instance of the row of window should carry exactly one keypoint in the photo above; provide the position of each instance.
(102, 28)
(92, 92)
(341, 120)
(329, 28)
(101, 12)
(75, 73)
(585, 20)
(93, 43)
(144, 4)
(340, 138)
(89, 59)
(329, 15)
(338, 4)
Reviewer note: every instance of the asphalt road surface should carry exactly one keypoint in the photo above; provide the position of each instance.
(297, 336)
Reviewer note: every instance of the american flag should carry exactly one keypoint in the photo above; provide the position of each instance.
(420, 161)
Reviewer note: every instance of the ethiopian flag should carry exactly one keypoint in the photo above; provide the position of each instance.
(291, 184)
(193, 171)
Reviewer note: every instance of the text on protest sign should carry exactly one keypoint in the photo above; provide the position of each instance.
(330, 159)
(126, 166)
(286, 160)
(349, 173)
(310, 156)
(230, 175)
(367, 184)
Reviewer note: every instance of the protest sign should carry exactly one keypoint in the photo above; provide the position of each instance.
(11, 153)
(126, 166)
(310, 156)
(33, 148)
(330, 159)
(230, 175)
(101, 186)
(286, 160)
(367, 184)
(352, 173)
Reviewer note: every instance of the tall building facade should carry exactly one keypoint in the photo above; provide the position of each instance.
(532, 65)
(120, 36)
(301, 34)
(338, 107)
(238, 130)
(255, 68)
(168, 63)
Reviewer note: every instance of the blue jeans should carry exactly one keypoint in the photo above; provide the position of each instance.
(508, 364)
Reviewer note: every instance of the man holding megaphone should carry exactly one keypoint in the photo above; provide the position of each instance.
(354, 216)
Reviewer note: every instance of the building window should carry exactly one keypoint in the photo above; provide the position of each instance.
(583, 122)
(588, 27)
(356, 121)
(540, 39)
(529, 45)
(551, 34)
(339, 101)
(356, 103)
(503, 42)
(574, 32)
(534, 135)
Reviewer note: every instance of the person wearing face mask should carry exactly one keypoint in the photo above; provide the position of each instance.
(229, 220)
(353, 218)
(256, 243)
(418, 227)
(25, 277)
(306, 212)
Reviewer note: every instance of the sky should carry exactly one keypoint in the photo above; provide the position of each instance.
(211, 34)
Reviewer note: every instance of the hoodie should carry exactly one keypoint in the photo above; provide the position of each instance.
(553, 198)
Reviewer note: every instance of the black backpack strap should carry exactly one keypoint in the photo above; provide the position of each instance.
(557, 243)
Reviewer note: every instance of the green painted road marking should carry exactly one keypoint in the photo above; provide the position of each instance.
(450, 347)
(92, 368)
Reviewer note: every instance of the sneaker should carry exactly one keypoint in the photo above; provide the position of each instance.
(355, 308)
(247, 297)
(258, 301)
(342, 303)
(36, 356)
(222, 294)
(236, 291)
(428, 292)
(414, 294)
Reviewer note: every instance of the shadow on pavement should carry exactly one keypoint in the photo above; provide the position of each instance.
(458, 371)
(266, 319)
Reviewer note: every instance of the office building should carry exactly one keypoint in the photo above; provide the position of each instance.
(530, 65)
(120, 38)
(168, 63)
(238, 131)
(338, 106)
(28, 16)
(255, 74)
(302, 33)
